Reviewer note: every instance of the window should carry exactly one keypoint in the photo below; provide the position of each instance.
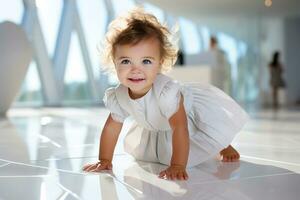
(30, 93)
(94, 19)
(49, 13)
(11, 11)
(76, 80)
(122, 6)
(229, 45)
(190, 37)
(156, 11)
(205, 37)
(242, 49)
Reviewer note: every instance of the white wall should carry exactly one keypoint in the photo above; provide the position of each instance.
(292, 51)
(200, 73)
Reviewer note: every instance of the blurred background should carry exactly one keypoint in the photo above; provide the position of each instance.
(64, 69)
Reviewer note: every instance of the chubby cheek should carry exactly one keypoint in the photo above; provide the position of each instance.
(122, 75)
(151, 74)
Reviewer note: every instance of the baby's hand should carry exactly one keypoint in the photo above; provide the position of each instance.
(174, 172)
(99, 166)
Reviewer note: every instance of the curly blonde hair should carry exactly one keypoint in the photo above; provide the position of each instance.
(132, 28)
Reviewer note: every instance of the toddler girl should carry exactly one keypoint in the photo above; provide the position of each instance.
(176, 125)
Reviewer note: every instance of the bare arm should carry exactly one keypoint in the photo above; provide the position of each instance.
(109, 138)
(108, 141)
(181, 146)
(180, 139)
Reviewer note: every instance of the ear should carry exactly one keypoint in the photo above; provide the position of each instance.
(161, 61)
(160, 66)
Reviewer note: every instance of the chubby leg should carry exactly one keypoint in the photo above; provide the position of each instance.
(229, 154)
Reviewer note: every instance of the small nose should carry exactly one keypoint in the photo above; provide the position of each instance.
(135, 68)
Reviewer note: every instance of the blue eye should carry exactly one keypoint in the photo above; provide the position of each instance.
(125, 61)
(147, 62)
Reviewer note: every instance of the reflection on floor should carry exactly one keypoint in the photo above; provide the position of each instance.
(42, 152)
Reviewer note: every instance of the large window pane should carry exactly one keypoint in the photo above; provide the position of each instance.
(229, 45)
(251, 74)
(122, 6)
(242, 69)
(30, 93)
(76, 88)
(49, 15)
(156, 11)
(242, 49)
(94, 18)
(205, 34)
(190, 36)
(11, 11)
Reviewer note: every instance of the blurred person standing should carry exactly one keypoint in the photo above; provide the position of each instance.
(276, 80)
(220, 76)
(180, 58)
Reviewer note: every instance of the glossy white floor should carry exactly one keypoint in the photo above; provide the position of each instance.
(42, 152)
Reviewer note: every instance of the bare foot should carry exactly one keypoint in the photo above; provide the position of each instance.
(229, 154)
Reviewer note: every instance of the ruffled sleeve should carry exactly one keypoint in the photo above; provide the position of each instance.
(169, 98)
(111, 103)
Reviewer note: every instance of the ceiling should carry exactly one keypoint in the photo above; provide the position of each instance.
(194, 9)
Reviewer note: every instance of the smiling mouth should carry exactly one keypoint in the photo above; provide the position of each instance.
(136, 80)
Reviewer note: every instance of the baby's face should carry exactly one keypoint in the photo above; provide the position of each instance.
(138, 65)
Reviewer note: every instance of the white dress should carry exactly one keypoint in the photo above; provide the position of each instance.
(213, 119)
